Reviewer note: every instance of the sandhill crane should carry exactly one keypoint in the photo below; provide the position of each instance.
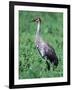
(46, 51)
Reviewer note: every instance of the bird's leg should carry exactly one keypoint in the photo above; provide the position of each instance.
(48, 64)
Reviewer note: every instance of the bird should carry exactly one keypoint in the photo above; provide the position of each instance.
(46, 51)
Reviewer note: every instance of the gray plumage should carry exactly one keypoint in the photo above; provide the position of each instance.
(46, 51)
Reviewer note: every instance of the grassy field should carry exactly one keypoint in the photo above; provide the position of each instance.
(31, 64)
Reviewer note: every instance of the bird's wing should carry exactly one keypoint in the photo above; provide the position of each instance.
(49, 50)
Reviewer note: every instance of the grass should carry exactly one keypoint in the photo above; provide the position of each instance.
(31, 64)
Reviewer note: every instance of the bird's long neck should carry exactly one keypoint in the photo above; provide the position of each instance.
(38, 28)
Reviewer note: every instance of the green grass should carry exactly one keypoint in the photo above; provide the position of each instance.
(31, 64)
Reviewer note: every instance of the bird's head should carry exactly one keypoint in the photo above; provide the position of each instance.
(37, 19)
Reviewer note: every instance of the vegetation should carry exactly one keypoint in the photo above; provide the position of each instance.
(31, 64)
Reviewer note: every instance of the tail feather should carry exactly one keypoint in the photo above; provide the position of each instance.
(56, 61)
